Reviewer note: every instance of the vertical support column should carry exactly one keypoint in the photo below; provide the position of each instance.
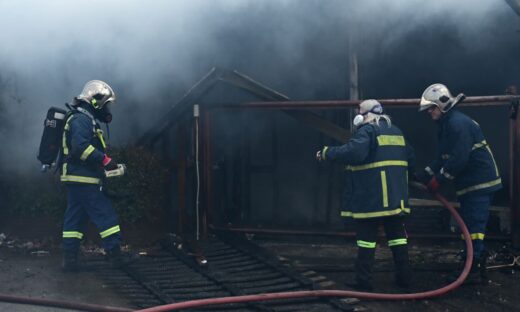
(181, 140)
(274, 166)
(207, 172)
(354, 73)
(246, 168)
(515, 172)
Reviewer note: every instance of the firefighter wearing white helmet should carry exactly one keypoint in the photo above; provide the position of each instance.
(85, 161)
(465, 158)
(438, 95)
(377, 159)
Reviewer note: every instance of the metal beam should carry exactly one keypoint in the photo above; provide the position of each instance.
(497, 100)
(515, 5)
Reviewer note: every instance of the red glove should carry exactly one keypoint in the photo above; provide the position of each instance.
(108, 163)
(433, 185)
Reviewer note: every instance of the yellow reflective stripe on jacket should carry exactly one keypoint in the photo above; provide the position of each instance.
(99, 134)
(64, 144)
(364, 215)
(110, 231)
(365, 244)
(397, 242)
(72, 234)
(64, 137)
(395, 140)
(479, 145)
(378, 164)
(482, 144)
(479, 186)
(385, 189)
(80, 179)
(86, 153)
(494, 162)
(324, 152)
(446, 174)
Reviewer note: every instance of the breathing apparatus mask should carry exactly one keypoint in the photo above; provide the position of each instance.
(365, 107)
(104, 114)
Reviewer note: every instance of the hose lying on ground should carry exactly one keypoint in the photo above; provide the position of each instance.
(273, 296)
(340, 293)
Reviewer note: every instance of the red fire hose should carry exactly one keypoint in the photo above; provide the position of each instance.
(272, 296)
(339, 293)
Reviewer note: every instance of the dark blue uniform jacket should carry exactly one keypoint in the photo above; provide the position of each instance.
(83, 150)
(378, 159)
(464, 156)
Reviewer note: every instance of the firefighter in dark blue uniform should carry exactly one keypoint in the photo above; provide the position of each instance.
(465, 158)
(378, 159)
(84, 163)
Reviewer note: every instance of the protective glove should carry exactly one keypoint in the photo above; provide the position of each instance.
(109, 163)
(423, 176)
(433, 185)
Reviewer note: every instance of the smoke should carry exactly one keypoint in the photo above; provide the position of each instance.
(151, 52)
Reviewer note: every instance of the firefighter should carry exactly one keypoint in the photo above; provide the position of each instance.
(465, 158)
(378, 159)
(82, 171)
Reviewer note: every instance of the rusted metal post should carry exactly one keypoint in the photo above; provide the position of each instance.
(207, 171)
(515, 165)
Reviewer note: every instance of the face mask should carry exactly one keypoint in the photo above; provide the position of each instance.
(104, 114)
(358, 120)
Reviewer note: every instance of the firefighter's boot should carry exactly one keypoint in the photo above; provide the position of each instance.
(478, 273)
(364, 263)
(117, 259)
(70, 262)
(483, 270)
(403, 271)
(474, 277)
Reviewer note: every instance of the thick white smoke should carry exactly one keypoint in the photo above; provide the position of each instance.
(151, 52)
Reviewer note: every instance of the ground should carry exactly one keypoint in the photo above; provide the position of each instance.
(38, 275)
(433, 262)
(30, 266)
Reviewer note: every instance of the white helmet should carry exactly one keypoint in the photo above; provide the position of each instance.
(439, 95)
(365, 107)
(97, 93)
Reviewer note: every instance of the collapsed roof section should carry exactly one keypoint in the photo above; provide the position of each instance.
(238, 80)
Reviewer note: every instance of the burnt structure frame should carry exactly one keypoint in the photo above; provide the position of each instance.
(177, 118)
(499, 100)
